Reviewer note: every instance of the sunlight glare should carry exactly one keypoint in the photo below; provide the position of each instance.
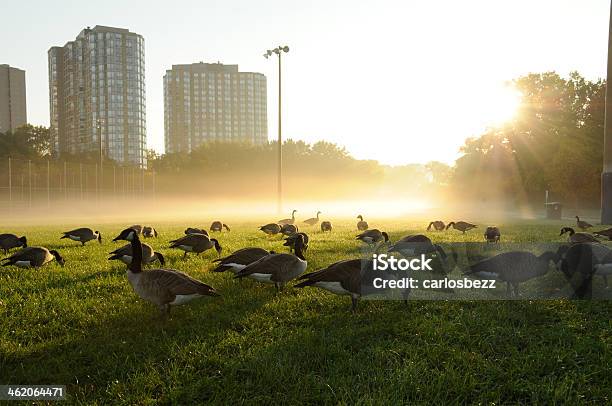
(502, 105)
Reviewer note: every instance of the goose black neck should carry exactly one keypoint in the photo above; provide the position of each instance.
(136, 265)
(299, 250)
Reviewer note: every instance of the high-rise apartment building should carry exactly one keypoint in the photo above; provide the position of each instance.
(206, 102)
(97, 95)
(12, 98)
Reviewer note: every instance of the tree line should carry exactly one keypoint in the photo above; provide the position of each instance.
(553, 143)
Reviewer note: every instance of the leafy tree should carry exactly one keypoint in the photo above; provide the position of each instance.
(553, 144)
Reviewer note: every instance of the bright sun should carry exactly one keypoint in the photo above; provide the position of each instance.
(502, 105)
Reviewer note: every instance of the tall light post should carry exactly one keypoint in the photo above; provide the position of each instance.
(279, 51)
(99, 124)
(606, 176)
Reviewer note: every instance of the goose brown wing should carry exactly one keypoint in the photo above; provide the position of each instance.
(190, 240)
(414, 238)
(244, 256)
(169, 283)
(369, 233)
(582, 237)
(504, 263)
(81, 232)
(35, 255)
(274, 264)
(38, 255)
(347, 272)
(124, 250)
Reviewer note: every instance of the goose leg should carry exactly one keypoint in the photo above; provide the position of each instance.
(185, 255)
(605, 278)
(276, 286)
(164, 311)
(508, 291)
(353, 304)
(516, 294)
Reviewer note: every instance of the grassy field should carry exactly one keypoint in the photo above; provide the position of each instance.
(83, 326)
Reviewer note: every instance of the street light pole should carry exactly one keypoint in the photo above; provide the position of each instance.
(279, 51)
(99, 126)
(606, 176)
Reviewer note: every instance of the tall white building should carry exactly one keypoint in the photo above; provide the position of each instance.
(206, 102)
(12, 98)
(97, 95)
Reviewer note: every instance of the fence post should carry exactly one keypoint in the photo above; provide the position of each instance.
(97, 186)
(81, 179)
(30, 182)
(153, 181)
(10, 171)
(48, 184)
(65, 182)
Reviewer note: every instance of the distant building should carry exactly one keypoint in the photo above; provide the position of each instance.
(12, 98)
(206, 102)
(97, 91)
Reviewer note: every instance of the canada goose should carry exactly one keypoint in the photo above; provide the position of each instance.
(512, 267)
(277, 268)
(137, 228)
(601, 260)
(340, 278)
(415, 245)
(437, 225)
(124, 254)
(492, 234)
(83, 235)
(312, 221)
(326, 226)
(10, 241)
(193, 230)
(354, 277)
(289, 229)
(288, 221)
(362, 225)
(271, 229)
(372, 236)
(33, 257)
(149, 232)
(240, 259)
(461, 226)
(218, 226)
(290, 241)
(410, 242)
(583, 225)
(604, 233)
(575, 237)
(196, 243)
(162, 287)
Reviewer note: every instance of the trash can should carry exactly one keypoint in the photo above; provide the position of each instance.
(553, 210)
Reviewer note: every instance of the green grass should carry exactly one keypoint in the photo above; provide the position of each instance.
(83, 326)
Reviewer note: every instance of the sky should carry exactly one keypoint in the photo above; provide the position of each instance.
(396, 81)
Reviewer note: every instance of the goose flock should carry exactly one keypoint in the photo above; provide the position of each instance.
(165, 287)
